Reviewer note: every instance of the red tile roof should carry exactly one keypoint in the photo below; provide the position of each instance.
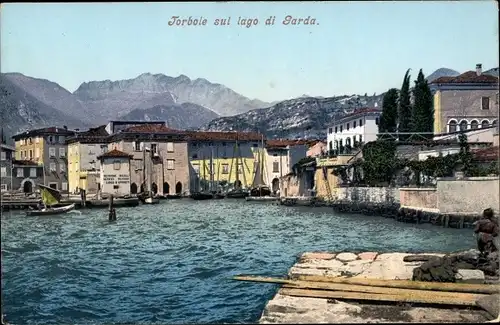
(151, 128)
(282, 143)
(44, 131)
(114, 154)
(486, 154)
(361, 112)
(223, 136)
(467, 77)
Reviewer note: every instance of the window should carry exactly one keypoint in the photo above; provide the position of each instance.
(463, 125)
(255, 145)
(61, 139)
(170, 147)
(31, 154)
(335, 129)
(341, 128)
(33, 172)
(116, 165)
(347, 126)
(3, 187)
(474, 124)
(452, 126)
(225, 168)
(53, 185)
(64, 186)
(37, 152)
(485, 102)
(354, 124)
(276, 167)
(330, 130)
(20, 172)
(330, 145)
(22, 154)
(104, 148)
(154, 148)
(51, 139)
(3, 155)
(115, 187)
(170, 164)
(360, 122)
(137, 146)
(224, 144)
(52, 152)
(3, 172)
(360, 138)
(376, 120)
(485, 123)
(62, 168)
(52, 167)
(62, 152)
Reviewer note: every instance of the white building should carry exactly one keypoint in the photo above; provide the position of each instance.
(280, 156)
(115, 173)
(359, 126)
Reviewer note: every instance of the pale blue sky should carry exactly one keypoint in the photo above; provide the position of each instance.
(356, 47)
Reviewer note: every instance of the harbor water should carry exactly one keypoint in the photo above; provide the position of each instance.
(173, 262)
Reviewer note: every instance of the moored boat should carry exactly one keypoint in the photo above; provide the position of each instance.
(51, 211)
(50, 197)
(237, 194)
(201, 196)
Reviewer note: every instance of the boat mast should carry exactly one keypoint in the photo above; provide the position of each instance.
(237, 147)
(144, 164)
(211, 168)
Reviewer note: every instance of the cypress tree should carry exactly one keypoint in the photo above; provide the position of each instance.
(423, 108)
(389, 117)
(404, 108)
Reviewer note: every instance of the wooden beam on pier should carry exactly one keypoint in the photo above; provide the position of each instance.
(362, 296)
(356, 284)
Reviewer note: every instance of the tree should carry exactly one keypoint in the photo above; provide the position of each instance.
(404, 108)
(465, 156)
(389, 119)
(423, 110)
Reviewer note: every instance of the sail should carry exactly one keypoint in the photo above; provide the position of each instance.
(50, 196)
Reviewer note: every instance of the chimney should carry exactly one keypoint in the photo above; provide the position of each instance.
(65, 127)
(479, 69)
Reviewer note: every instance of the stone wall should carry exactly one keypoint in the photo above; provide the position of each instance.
(471, 195)
(373, 195)
(422, 198)
(289, 185)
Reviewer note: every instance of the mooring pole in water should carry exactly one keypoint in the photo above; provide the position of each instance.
(83, 197)
(112, 212)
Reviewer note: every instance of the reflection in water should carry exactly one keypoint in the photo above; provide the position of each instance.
(172, 262)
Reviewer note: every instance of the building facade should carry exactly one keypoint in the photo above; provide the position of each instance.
(115, 173)
(6, 158)
(46, 147)
(83, 165)
(317, 150)
(164, 153)
(361, 126)
(234, 157)
(281, 156)
(116, 126)
(468, 101)
(26, 175)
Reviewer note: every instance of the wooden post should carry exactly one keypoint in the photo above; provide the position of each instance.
(112, 214)
(446, 220)
(83, 197)
(461, 223)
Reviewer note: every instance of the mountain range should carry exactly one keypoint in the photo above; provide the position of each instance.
(183, 103)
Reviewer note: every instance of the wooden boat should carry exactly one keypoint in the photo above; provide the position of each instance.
(173, 196)
(218, 195)
(51, 211)
(151, 200)
(260, 191)
(50, 197)
(201, 196)
(117, 202)
(237, 194)
(259, 188)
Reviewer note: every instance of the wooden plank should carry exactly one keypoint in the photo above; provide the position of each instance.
(401, 284)
(450, 301)
(408, 284)
(371, 289)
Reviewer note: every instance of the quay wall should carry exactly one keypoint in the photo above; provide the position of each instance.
(419, 198)
(469, 195)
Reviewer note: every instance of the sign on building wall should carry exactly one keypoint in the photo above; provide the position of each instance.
(116, 179)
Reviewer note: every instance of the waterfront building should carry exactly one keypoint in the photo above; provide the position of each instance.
(115, 173)
(161, 148)
(361, 126)
(6, 157)
(317, 149)
(233, 155)
(26, 175)
(83, 165)
(116, 126)
(468, 101)
(46, 147)
(280, 156)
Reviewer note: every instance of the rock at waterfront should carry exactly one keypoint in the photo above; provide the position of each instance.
(347, 257)
(470, 276)
(370, 256)
(490, 303)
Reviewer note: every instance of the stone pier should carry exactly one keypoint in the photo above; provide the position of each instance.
(371, 265)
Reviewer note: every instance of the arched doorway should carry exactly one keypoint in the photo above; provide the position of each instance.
(133, 188)
(275, 185)
(143, 188)
(237, 183)
(166, 188)
(178, 188)
(154, 188)
(28, 186)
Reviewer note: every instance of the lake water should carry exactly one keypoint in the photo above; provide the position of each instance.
(173, 262)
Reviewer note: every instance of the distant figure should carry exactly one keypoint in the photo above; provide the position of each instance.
(486, 230)
(40, 205)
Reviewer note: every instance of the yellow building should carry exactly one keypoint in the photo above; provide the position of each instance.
(83, 165)
(233, 155)
(327, 184)
(47, 148)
